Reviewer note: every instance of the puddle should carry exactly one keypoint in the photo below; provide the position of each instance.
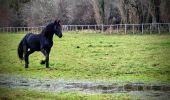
(58, 85)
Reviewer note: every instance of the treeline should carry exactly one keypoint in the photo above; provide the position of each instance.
(40, 12)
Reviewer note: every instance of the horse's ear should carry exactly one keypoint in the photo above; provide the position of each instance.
(57, 22)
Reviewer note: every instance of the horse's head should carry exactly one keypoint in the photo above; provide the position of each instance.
(58, 28)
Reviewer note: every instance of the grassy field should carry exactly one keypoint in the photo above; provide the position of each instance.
(90, 56)
(10, 94)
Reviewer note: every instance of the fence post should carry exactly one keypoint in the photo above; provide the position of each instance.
(117, 28)
(72, 28)
(159, 29)
(33, 29)
(36, 29)
(69, 28)
(133, 29)
(142, 28)
(17, 29)
(95, 27)
(7, 29)
(110, 29)
(150, 28)
(82, 27)
(169, 27)
(102, 28)
(125, 28)
(11, 29)
(27, 29)
(24, 29)
(63, 28)
(3, 29)
(75, 27)
(30, 29)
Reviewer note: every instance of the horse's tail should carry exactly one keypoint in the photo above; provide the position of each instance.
(20, 49)
(20, 46)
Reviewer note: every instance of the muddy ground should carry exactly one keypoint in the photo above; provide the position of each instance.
(138, 90)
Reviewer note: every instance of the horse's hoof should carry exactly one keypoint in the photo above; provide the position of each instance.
(47, 67)
(26, 66)
(42, 62)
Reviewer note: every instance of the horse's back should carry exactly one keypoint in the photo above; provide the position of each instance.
(33, 41)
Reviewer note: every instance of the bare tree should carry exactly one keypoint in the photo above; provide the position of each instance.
(165, 11)
(63, 11)
(40, 12)
(96, 10)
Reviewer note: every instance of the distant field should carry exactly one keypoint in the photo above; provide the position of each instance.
(92, 56)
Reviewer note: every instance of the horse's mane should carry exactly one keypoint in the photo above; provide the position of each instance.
(47, 29)
(43, 32)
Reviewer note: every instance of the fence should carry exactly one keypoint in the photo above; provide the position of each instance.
(21, 29)
(149, 28)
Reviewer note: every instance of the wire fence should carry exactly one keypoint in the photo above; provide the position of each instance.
(149, 28)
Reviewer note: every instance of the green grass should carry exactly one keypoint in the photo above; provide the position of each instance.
(91, 56)
(20, 94)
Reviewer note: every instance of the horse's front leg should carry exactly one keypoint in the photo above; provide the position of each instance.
(26, 60)
(46, 54)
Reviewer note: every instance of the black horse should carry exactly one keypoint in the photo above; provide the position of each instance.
(39, 42)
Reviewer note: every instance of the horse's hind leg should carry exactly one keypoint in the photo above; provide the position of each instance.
(46, 54)
(42, 62)
(26, 57)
